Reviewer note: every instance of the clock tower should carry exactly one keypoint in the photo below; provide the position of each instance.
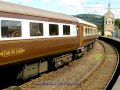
(108, 22)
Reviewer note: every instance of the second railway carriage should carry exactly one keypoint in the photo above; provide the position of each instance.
(88, 34)
(33, 41)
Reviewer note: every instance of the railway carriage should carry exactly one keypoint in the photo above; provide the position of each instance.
(88, 34)
(33, 41)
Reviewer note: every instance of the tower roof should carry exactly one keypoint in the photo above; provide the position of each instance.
(109, 13)
(109, 7)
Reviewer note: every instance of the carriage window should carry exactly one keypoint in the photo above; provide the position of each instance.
(53, 29)
(66, 30)
(10, 28)
(36, 29)
(89, 31)
(86, 31)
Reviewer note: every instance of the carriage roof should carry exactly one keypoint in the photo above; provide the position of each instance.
(25, 10)
(87, 23)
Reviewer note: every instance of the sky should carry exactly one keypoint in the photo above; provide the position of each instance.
(73, 7)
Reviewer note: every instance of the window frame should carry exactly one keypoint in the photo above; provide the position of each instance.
(13, 34)
(69, 30)
(53, 34)
(39, 33)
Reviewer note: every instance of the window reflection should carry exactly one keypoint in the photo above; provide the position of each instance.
(10, 28)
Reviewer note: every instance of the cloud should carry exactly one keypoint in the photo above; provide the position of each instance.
(74, 3)
(96, 8)
(114, 0)
(26, 0)
(71, 6)
(101, 9)
(45, 1)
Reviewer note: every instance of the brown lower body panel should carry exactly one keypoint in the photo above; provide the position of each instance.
(89, 39)
(21, 50)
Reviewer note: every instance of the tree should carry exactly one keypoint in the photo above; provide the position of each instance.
(117, 24)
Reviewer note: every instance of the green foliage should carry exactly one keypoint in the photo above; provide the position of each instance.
(117, 24)
(93, 18)
(98, 20)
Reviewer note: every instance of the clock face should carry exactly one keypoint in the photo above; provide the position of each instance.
(109, 21)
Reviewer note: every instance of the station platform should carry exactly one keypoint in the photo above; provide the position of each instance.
(117, 84)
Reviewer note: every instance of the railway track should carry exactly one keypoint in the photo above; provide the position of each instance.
(102, 76)
(116, 43)
(93, 71)
(79, 74)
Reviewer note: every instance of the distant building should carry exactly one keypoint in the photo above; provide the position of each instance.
(109, 22)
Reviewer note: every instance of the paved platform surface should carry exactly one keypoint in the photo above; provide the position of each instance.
(118, 39)
(117, 84)
(115, 38)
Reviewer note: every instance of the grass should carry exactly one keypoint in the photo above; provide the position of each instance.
(98, 56)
